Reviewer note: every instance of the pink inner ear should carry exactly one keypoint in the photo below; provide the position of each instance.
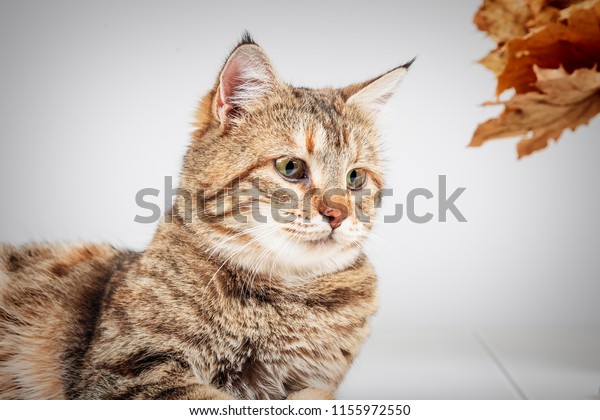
(229, 80)
(246, 77)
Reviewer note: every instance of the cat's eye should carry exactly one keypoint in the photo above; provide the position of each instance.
(356, 178)
(293, 169)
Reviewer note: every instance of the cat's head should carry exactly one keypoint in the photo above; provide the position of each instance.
(288, 176)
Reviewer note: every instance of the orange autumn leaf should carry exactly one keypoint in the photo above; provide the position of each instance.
(537, 13)
(562, 101)
(562, 37)
(572, 44)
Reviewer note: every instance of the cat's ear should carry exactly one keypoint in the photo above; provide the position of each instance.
(246, 77)
(373, 94)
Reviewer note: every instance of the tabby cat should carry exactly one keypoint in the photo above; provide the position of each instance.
(228, 301)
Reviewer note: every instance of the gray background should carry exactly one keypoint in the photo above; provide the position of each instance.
(97, 100)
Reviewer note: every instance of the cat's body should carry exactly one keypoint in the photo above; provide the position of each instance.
(215, 307)
(133, 331)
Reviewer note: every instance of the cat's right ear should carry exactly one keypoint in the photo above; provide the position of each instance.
(247, 76)
(373, 94)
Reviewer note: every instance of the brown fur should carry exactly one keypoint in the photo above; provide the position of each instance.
(188, 317)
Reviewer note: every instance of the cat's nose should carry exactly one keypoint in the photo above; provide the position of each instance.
(334, 215)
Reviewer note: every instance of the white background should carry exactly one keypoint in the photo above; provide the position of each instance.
(97, 101)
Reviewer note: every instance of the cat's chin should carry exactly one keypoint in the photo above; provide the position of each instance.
(309, 260)
(297, 257)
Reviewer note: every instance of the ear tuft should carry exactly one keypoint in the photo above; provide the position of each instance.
(246, 39)
(372, 95)
(246, 77)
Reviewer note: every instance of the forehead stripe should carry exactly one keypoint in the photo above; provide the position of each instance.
(310, 140)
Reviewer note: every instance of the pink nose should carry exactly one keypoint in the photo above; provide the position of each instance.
(335, 215)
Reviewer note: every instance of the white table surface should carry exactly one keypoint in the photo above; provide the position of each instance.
(484, 363)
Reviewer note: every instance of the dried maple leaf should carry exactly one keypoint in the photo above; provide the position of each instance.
(573, 43)
(563, 38)
(508, 55)
(562, 101)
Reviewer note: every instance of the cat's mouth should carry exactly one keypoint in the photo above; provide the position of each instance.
(322, 237)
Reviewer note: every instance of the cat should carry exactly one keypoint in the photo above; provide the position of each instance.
(218, 307)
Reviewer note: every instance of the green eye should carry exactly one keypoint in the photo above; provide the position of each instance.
(291, 168)
(356, 179)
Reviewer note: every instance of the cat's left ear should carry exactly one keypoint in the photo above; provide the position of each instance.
(247, 76)
(373, 94)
